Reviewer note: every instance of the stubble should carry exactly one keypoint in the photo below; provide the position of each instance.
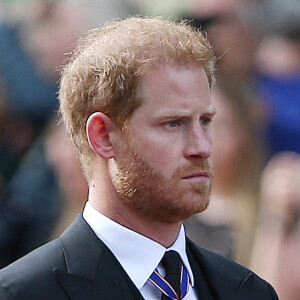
(152, 195)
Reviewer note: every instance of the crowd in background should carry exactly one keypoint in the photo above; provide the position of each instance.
(254, 215)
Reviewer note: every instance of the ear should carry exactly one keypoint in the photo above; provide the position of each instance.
(98, 128)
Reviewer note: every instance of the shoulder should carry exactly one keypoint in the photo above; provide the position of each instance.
(37, 275)
(32, 273)
(223, 264)
(216, 262)
(223, 272)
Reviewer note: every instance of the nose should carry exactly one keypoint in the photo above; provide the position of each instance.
(198, 142)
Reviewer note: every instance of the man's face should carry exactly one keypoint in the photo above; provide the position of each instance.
(162, 167)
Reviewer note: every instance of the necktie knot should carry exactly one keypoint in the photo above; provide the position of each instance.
(175, 284)
(172, 263)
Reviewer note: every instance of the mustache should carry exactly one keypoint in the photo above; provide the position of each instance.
(199, 166)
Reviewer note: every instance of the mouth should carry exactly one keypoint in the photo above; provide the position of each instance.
(197, 177)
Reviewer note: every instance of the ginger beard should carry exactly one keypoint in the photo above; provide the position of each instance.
(152, 195)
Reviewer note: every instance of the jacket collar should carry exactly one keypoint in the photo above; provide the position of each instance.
(84, 256)
(90, 270)
(226, 279)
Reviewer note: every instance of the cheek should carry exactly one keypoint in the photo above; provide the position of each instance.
(161, 154)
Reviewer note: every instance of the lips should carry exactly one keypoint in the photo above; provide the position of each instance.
(198, 175)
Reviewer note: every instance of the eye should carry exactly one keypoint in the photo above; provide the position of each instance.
(174, 123)
(205, 121)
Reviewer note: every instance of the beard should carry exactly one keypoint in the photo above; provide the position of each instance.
(150, 194)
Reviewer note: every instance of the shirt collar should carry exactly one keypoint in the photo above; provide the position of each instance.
(138, 255)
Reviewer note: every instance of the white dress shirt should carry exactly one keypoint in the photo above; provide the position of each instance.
(138, 255)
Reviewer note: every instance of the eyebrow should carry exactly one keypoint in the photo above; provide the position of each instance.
(211, 110)
(184, 113)
(175, 114)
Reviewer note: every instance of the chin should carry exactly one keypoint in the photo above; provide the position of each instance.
(188, 207)
(195, 204)
(200, 208)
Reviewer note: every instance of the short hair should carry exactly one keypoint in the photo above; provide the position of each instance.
(104, 71)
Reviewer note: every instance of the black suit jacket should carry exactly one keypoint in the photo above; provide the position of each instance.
(78, 266)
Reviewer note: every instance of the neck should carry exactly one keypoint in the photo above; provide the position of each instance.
(104, 198)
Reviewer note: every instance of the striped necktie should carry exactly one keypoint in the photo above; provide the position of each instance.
(175, 284)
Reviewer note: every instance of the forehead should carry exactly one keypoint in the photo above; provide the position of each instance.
(170, 86)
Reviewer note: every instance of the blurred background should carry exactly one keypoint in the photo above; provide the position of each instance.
(254, 216)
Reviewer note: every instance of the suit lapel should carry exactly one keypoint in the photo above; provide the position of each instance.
(222, 286)
(203, 289)
(89, 270)
(92, 271)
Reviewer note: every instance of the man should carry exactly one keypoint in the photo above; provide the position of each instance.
(135, 97)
